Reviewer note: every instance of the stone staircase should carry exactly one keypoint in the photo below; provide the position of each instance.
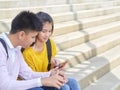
(87, 34)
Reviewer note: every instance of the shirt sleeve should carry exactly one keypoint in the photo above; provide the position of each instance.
(27, 73)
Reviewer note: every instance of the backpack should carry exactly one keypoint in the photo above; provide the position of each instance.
(4, 45)
(49, 53)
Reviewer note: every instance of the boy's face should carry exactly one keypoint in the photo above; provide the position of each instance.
(27, 38)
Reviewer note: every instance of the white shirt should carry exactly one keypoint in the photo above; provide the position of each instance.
(15, 65)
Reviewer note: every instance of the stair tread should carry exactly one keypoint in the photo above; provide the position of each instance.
(99, 17)
(90, 49)
(89, 71)
(107, 82)
(86, 20)
(81, 33)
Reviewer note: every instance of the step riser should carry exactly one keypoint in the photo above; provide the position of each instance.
(66, 29)
(63, 18)
(76, 16)
(79, 25)
(71, 43)
(89, 54)
(100, 72)
(74, 27)
(3, 27)
(97, 12)
(117, 87)
(87, 6)
(8, 13)
(80, 56)
(101, 22)
(81, 1)
(27, 3)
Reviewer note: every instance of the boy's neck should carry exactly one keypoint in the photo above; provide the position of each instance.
(13, 39)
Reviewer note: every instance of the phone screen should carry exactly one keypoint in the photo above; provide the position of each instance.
(61, 65)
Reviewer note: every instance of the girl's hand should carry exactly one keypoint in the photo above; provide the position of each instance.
(54, 62)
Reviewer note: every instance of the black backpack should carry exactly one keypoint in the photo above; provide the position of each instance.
(49, 53)
(5, 46)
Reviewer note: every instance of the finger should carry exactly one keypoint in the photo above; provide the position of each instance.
(60, 84)
(61, 73)
(61, 79)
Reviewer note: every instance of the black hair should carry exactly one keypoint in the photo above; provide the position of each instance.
(45, 17)
(25, 21)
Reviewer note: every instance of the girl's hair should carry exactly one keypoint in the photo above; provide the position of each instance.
(45, 17)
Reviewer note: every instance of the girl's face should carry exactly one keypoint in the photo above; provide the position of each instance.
(46, 32)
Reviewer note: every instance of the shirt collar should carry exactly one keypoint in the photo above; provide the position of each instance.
(5, 37)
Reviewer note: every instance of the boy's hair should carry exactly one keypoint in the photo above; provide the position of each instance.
(45, 17)
(25, 21)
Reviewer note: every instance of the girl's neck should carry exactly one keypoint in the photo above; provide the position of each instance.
(38, 46)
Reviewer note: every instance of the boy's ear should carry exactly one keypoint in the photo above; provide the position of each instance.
(21, 35)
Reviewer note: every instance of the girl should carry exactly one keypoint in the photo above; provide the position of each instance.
(36, 55)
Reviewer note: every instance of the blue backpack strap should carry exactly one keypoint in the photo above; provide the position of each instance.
(49, 53)
(4, 45)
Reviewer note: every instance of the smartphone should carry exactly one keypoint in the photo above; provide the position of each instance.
(61, 65)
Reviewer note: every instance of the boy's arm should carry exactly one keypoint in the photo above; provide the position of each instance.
(8, 80)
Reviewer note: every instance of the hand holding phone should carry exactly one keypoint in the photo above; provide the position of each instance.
(61, 65)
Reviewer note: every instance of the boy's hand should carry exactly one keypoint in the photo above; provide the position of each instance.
(58, 80)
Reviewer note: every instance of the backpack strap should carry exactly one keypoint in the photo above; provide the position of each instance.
(4, 45)
(49, 53)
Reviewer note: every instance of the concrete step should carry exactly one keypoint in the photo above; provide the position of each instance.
(96, 67)
(82, 52)
(93, 5)
(77, 37)
(27, 3)
(99, 20)
(68, 16)
(72, 26)
(8, 12)
(45, 2)
(53, 9)
(109, 81)
(75, 6)
(96, 12)
(81, 1)
(117, 87)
